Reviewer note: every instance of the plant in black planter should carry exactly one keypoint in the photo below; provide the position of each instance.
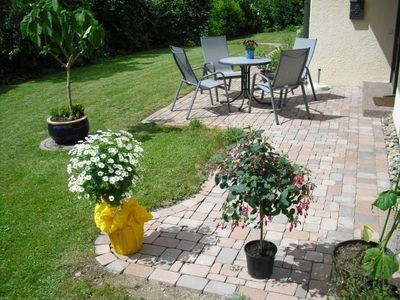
(373, 261)
(66, 36)
(262, 184)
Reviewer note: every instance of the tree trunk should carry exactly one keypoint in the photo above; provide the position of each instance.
(261, 229)
(68, 67)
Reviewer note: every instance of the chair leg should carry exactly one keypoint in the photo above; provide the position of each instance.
(176, 95)
(211, 97)
(280, 99)
(285, 98)
(191, 104)
(305, 99)
(229, 84)
(227, 98)
(292, 91)
(252, 93)
(273, 107)
(216, 94)
(312, 85)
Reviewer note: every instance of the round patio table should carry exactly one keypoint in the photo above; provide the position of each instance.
(245, 64)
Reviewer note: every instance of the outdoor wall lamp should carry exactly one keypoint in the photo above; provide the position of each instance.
(356, 9)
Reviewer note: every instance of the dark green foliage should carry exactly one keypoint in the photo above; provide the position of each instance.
(133, 25)
(128, 24)
(180, 21)
(226, 16)
(279, 14)
(78, 111)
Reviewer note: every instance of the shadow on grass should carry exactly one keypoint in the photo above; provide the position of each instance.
(106, 68)
(146, 131)
(4, 89)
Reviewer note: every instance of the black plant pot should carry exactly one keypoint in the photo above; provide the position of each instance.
(68, 132)
(260, 266)
(351, 250)
(355, 251)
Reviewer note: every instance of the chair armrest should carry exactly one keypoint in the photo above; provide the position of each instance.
(209, 67)
(212, 74)
(197, 68)
(263, 77)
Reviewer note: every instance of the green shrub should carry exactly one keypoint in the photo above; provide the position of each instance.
(128, 24)
(179, 22)
(225, 18)
(279, 14)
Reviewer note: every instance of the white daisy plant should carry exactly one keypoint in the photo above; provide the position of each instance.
(105, 167)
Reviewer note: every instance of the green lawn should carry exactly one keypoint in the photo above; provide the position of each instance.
(46, 235)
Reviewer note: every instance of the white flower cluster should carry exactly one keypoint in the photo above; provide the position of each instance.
(105, 167)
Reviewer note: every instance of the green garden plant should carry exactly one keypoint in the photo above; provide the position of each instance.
(378, 262)
(64, 35)
(262, 184)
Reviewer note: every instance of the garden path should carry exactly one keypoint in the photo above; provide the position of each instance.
(346, 154)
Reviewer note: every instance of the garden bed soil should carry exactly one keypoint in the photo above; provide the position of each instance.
(348, 256)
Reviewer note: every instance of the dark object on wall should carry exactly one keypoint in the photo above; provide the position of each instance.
(356, 9)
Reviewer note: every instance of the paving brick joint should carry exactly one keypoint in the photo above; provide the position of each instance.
(346, 155)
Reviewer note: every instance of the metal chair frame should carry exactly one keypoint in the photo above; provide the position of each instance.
(270, 85)
(190, 78)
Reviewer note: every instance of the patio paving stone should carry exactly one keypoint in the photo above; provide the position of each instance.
(346, 155)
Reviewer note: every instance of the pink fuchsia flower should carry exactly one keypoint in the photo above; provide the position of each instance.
(298, 181)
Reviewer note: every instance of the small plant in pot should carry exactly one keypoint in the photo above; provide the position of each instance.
(374, 262)
(104, 169)
(262, 184)
(250, 47)
(66, 36)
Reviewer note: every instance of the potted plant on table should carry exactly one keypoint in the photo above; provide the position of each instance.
(104, 169)
(250, 47)
(66, 36)
(367, 260)
(262, 184)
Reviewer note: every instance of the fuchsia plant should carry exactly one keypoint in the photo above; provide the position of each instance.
(262, 184)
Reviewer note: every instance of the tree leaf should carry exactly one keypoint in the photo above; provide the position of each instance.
(379, 265)
(386, 200)
(367, 233)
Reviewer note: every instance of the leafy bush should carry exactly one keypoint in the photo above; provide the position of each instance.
(225, 18)
(127, 23)
(279, 14)
(179, 21)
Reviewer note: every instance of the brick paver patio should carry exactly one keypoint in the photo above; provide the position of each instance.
(347, 156)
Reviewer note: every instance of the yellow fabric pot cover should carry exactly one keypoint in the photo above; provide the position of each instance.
(124, 225)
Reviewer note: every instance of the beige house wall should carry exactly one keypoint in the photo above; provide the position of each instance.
(352, 51)
(396, 109)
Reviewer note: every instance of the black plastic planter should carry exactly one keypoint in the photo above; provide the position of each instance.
(260, 266)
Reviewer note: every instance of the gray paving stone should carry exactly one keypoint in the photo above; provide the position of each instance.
(205, 207)
(102, 239)
(195, 270)
(165, 276)
(117, 266)
(314, 256)
(189, 236)
(152, 250)
(192, 282)
(220, 288)
(169, 256)
(339, 236)
(227, 256)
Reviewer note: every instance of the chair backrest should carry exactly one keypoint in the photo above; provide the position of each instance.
(214, 48)
(301, 43)
(290, 68)
(183, 64)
